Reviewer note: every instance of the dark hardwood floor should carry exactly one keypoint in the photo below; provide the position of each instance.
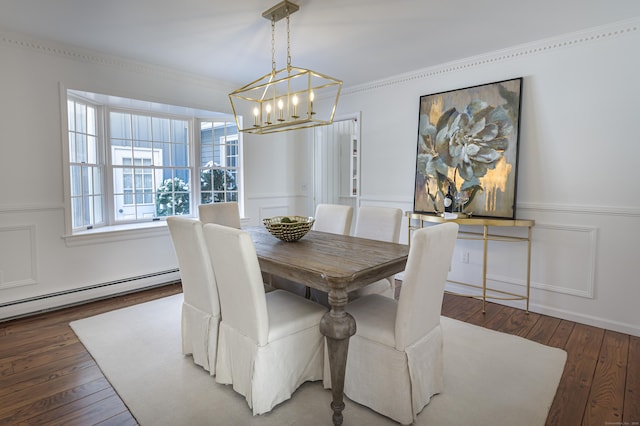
(47, 377)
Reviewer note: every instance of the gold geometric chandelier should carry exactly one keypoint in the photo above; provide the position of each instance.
(284, 99)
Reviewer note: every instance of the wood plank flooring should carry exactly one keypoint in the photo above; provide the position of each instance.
(47, 377)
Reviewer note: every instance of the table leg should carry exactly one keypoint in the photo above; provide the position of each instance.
(337, 326)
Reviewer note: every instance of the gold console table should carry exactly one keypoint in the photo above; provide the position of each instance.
(485, 237)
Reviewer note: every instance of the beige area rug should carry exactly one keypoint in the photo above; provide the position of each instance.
(490, 378)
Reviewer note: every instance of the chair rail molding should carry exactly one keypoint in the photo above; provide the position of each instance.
(579, 209)
(17, 208)
(271, 211)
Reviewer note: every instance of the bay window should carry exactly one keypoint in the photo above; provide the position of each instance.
(135, 165)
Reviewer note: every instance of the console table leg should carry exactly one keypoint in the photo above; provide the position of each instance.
(528, 269)
(485, 241)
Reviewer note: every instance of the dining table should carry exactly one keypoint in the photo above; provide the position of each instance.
(336, 264)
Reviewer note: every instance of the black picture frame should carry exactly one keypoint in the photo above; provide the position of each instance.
(468, 141)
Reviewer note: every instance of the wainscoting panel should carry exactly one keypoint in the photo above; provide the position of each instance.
(564, 259)
(18, 256)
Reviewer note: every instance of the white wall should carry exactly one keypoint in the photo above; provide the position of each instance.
(578, 152)
(35, 260)
(578, 156)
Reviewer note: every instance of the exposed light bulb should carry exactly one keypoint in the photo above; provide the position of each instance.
(311, 98)
(256, 113)
(280, 106)
(294, 100)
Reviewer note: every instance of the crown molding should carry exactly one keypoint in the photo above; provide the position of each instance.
(23, 41)
(592, 35)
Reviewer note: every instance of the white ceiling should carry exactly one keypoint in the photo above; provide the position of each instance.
(358, 41)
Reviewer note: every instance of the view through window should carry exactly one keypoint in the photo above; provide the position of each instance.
(137, 165)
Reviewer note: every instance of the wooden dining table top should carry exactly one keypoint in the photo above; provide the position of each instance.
(324, 261)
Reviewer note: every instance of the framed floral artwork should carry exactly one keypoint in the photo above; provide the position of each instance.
(468, 150)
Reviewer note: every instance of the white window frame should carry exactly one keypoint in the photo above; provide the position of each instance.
(111, 230)
(222, 142)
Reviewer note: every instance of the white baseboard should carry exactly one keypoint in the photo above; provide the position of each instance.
(58, 300)
(632, 329)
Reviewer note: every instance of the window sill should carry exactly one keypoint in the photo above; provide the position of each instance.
(108, 234)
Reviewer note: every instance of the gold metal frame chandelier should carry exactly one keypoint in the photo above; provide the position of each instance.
(284, 99)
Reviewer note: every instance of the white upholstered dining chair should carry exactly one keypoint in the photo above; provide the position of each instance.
(201, 307)
(269, 343)
(333, 218)
(378, 223)
(227, 214)
(395, 361)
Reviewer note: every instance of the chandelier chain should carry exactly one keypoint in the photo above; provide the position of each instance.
(288, 42)
(273, 45)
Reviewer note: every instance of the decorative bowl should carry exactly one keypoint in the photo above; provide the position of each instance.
(288, 228)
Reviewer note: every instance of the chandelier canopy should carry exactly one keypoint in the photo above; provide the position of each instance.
(284, 99)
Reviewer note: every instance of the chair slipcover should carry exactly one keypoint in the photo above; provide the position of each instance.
(227, 214)
(333, 218)
(395, 361)
(201, 308)
(269, 344)
(378, 223)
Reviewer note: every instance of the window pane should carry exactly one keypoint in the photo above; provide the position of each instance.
(97, 180)
(161, 130)
(184, 175)
(180, 155)
(231, 180)
(206, 183)
(161, 154)
(81, 118)
(76, 211)
(76, 181)
(92, 150)
(120, 125)
(73, 158)
(218, 197)
(81, 148)
(71, 115)
(180, 131)
(122, 211)
(142, 144)
(91, 120)
(87, 181)
(206, 134)
(126, 143)
(97, 210)
(173, 197)
(205, 197)
(139, 154)
(141, 127)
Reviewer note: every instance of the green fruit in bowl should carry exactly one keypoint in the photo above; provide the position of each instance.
(285, 220)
